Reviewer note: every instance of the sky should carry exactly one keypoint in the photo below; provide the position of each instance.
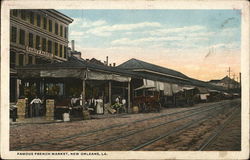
(201, 44)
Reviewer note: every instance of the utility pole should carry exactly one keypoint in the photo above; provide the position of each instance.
(229, 71)
(240, 79)
(234, 81)
(237, 78)
(229, 78)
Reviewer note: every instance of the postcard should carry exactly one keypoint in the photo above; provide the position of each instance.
(125, 79)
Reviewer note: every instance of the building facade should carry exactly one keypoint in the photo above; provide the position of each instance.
(226, 82)
(36, 37)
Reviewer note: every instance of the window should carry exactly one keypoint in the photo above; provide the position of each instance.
(66, 32)
(31, 17)
(22, 37)
(13, 34)
(38, 42)
(44, 44)
(31, 44)
(60, 50)
(12, 59)
(49, 46)
(38, 18)
(21, 57)
(23, 14)
(61, 30)
(30, 58)
(44, 23)
(15, 12)
(65, 52)
(56, 49)
(56, 28)
(50, 25)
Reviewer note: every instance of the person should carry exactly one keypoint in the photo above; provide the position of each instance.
(117, 104)
(74, 101)
(124, 105)
(117, 100)
(99, 106)
(36, 106)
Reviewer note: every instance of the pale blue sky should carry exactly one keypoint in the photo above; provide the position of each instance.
(170, 33)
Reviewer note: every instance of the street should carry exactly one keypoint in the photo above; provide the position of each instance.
(173, 129)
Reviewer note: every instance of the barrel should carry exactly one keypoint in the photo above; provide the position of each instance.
(86, 115)
(66, 117)
(135, 109)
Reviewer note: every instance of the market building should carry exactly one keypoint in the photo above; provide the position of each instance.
(36, 37)
(137, 82)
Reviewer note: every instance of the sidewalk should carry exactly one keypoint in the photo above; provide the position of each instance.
(34, 120)
(42, 120)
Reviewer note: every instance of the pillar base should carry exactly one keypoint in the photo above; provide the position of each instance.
(20, 118)
(49, 118)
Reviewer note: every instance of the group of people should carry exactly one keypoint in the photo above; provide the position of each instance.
(94, 105)
(120, 105)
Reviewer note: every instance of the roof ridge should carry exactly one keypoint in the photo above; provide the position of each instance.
(138, 62)
(158, 66)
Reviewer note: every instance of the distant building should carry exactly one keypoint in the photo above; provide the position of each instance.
(36, 37)
(225, 82)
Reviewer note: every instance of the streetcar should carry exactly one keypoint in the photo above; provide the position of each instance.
(147, 99)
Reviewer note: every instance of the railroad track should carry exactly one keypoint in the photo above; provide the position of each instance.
(89, 133)
(217, 132)
(143, 130)
(190, 124)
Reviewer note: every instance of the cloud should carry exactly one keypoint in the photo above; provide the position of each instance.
(87, 23)
(76, 33)
(232, 45)
(108, 29)
(186, 29)
(127, 41)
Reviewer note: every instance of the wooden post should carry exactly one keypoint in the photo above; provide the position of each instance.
(110, 92)
(50, 108)
(83, 93)
(21, 106)
(129, 107)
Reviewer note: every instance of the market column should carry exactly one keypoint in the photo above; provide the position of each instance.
(83, 92)
(129, 107)
(110, 93)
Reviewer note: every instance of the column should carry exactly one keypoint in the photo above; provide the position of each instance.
(83, 92)
(129, 103)
(18, 82)
(21, 106)
(110, 92)
(50, 107)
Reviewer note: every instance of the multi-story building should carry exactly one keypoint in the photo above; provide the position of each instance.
(36, 37)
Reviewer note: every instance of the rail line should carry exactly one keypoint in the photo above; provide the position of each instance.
(145, 129)
(83, 134)
(188, 125)
(216, 133)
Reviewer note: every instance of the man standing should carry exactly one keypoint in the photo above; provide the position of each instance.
(36, 106)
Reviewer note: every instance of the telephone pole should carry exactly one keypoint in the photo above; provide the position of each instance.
(229, 70)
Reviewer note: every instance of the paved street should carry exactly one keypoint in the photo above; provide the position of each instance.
(124, 132)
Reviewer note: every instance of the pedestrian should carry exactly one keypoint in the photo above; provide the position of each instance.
(36, 106)
(99, 106)
(124, 107)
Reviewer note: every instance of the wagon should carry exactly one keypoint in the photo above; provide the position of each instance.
(147, 99)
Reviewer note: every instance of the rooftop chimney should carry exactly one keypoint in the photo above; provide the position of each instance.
(107, 60)
(73, 45)
(113, 64)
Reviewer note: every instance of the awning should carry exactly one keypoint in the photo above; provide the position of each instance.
(106, 76)
(144, 87)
